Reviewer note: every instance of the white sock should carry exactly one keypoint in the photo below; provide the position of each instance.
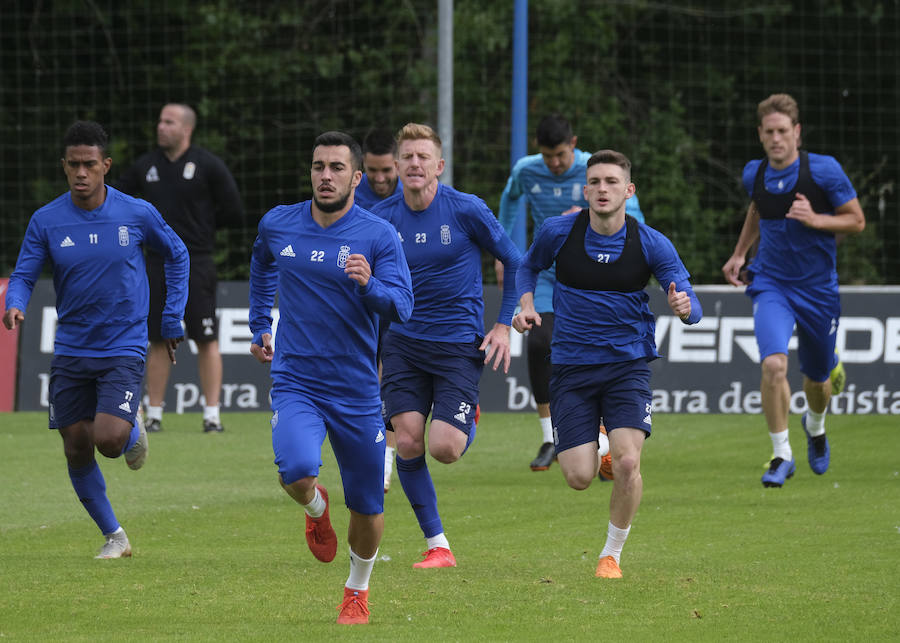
(602, 445)
(615, 540)
(547, 428)
(316, 506)
(388, 462)
(815, 422)
(211, 413)
(154, 412)
(781, 446)
(437, 541)
(360, 571)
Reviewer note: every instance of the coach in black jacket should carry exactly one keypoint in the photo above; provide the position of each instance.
(193, 190)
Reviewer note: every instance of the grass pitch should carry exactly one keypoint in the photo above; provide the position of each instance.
(219, 552)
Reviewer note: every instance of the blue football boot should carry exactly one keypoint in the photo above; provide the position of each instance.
(817, 450)
(779, 471)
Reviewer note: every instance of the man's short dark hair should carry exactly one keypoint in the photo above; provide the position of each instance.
(611, 157)
(379, 142)
(86, 133)
(553, 130)
(337, 139)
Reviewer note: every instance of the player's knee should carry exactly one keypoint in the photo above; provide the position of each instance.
(444, 453)
(579, 473)
(578, 479)
(409, 446)
(78, 453)
(109, 445)
(209, 349)
(110, 435)
(774, 367)
(626, 466)
(300, 489)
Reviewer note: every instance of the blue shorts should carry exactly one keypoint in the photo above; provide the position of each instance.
(816, 312)
(81, 387)
(436, 377)
(300, 423)
(582, 394)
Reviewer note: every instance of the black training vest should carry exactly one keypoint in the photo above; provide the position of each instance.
(775, 206)
(628, 273)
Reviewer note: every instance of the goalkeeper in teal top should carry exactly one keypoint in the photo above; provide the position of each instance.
(94, 238)
(603, 338)
(551, 183)
(799, 202)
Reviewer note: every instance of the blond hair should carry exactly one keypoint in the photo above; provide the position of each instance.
(417, 132)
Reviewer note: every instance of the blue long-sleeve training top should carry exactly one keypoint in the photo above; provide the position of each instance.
(97, 257)
(328, 325)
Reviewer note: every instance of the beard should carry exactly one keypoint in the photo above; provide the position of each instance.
(339, 204)
(384, 190)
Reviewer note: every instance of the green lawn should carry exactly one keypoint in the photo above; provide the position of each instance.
(219, 552)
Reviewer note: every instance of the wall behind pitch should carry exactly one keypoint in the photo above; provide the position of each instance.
(9, 341)
(711, 367)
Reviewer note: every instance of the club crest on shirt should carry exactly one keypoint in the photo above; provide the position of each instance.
(445, 235)
(577, 191)
(123, 235)
(342, 256)
(189, 168)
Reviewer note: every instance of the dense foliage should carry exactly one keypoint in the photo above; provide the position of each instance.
(673, 85)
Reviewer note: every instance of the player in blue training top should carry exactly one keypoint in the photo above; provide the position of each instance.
(603, 337)
(94, 238)
(379, 181)
(552, 184)
(338, 269)
(799, 202)
(432, 363)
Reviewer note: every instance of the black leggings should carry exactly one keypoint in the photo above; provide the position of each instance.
(539, 358)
